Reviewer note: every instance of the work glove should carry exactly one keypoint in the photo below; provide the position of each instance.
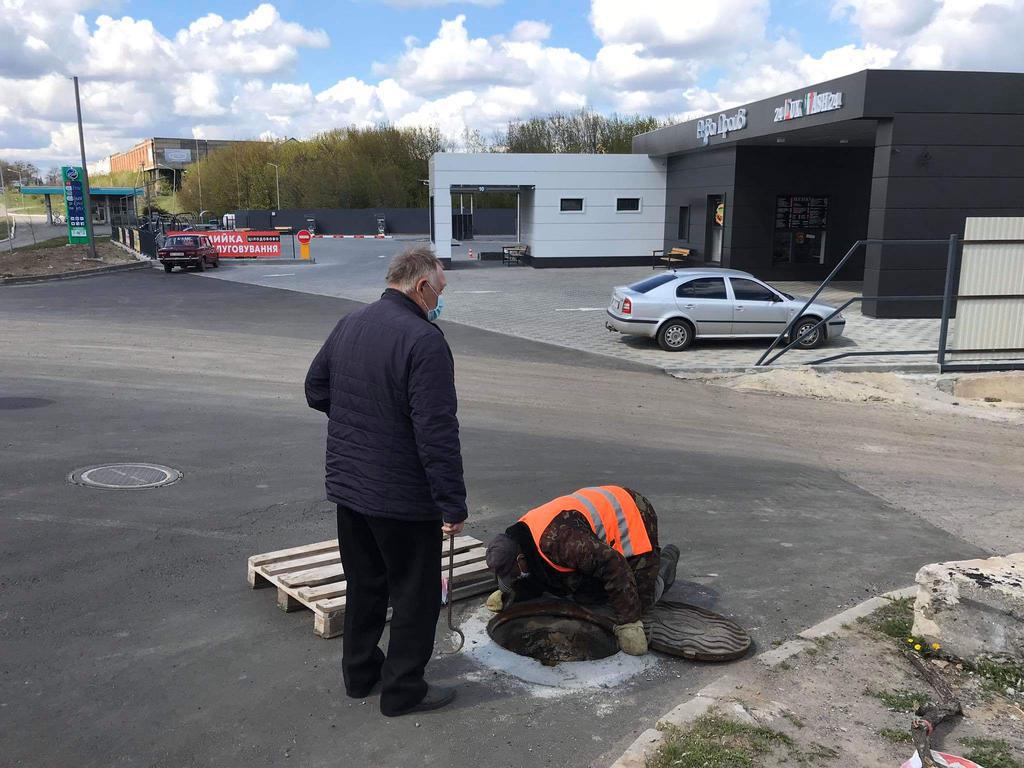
(631, 637)
(495, 601)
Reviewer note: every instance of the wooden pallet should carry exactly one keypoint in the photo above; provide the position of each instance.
(312, 577)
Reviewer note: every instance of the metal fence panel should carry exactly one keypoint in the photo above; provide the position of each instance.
(990, 269)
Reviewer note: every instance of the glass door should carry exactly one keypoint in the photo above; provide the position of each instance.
(715, 229)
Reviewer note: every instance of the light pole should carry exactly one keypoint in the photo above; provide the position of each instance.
(277, 182)
(85, 179)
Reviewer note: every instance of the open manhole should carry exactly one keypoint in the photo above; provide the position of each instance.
(552, 632)
(123, 477)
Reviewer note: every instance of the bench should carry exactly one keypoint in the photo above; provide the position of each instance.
(669, 258)
(513, 253)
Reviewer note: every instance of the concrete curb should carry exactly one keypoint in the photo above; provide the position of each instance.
(727, 685)
(74, 275)
(697, 372)
(261, 262)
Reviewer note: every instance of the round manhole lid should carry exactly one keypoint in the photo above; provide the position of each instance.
(123, 477)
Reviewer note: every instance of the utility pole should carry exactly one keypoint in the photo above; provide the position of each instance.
(7, 213)
(277, 182)
(85, 178)
(199, 175)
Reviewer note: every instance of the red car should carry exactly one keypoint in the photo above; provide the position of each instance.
(188, 251)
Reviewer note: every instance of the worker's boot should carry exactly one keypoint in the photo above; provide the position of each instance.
(667, 567)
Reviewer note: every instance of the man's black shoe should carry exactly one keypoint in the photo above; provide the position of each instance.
(435, 698)
(362, 694)
(668, 564)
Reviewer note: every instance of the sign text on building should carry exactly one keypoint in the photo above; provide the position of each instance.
(811, 104)
(720, 125)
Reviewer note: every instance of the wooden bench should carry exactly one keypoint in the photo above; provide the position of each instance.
(670, 258)
(513, 253)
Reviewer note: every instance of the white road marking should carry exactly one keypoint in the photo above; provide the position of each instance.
(283, 274)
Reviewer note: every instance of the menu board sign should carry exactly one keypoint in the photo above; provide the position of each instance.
(801, 212)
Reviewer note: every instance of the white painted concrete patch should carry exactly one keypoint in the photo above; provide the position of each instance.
(542, 681)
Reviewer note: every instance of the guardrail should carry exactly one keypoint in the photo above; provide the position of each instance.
(949, 300)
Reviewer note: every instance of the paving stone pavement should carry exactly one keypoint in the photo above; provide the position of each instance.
(566, 307)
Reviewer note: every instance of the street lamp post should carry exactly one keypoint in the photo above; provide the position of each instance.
(277, 182)
(85, 179)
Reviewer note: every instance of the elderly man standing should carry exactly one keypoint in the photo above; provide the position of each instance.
(386, 379)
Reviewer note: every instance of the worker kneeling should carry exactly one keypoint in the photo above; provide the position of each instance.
(595, 545)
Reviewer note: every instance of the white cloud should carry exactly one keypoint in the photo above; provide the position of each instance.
(234, 78)
(437, 3)
(530, 31)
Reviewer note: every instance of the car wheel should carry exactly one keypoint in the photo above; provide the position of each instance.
(675, 336)
(202, 264)
(814, 338)
(216, 263)
(168, 268)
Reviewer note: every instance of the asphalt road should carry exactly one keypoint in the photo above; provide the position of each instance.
(130, 638)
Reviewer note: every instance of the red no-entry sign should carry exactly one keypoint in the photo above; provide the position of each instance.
(304, 236)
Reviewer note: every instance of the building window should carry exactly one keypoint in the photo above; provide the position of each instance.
(571, 205)
(684, 223)
(627, 204)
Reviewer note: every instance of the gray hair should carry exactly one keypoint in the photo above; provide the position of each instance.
(411, 266)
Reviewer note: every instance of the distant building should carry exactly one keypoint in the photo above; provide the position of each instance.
(162, 158)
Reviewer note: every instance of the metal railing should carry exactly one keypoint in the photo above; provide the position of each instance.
(949, 298)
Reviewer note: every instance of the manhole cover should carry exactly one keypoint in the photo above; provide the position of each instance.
(121, 477)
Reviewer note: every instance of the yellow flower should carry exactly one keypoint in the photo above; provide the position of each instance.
(910, 639)
(935, 646)
(917, 647)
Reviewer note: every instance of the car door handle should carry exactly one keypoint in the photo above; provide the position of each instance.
(688, 306)
(739, 308)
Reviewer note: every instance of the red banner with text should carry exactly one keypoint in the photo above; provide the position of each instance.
(241, 244)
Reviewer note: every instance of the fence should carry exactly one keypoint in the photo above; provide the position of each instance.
(988, 335)
(139, 240)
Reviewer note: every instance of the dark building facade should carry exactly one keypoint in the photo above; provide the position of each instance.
(783, 187)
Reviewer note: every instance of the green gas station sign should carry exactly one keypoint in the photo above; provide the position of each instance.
(76, 205)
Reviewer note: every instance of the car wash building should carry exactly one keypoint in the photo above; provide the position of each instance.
(784, 186)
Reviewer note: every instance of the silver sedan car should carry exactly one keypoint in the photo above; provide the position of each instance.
(679, 306)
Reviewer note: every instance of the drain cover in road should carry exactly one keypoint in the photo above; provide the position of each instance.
(694, 633)
(122, 477)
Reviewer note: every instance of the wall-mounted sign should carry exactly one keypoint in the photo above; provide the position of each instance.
(178, 155)
(810, 104)
(74, 200)
(721, 125)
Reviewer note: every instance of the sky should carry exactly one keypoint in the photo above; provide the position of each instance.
(244, 69)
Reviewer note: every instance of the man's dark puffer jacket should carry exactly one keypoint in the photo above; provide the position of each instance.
(386, 378)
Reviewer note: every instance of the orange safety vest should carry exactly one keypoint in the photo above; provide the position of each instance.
(609, 510)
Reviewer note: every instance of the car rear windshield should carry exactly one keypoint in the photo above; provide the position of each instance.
(182, 242)
(651, 283)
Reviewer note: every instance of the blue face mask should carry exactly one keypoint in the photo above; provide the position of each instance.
(433, 314)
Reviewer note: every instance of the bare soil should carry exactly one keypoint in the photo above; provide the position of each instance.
(848, 700)
(55, 257)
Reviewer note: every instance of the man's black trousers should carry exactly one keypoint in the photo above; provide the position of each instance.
(384, 560)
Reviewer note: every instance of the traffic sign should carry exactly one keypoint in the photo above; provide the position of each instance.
(304, 236)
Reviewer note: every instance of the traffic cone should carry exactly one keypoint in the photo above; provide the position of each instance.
(471, 254)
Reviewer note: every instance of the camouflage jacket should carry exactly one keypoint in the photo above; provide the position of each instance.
(599, 573)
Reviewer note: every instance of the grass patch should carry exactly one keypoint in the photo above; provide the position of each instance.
(998, 677)
(991, 753)
(53, 242)
(896, 736)
(895, 619)
(899, 701)
(816, 754)
(796, 721)
(714, 741)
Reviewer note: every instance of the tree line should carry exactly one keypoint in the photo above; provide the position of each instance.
(380, 166)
